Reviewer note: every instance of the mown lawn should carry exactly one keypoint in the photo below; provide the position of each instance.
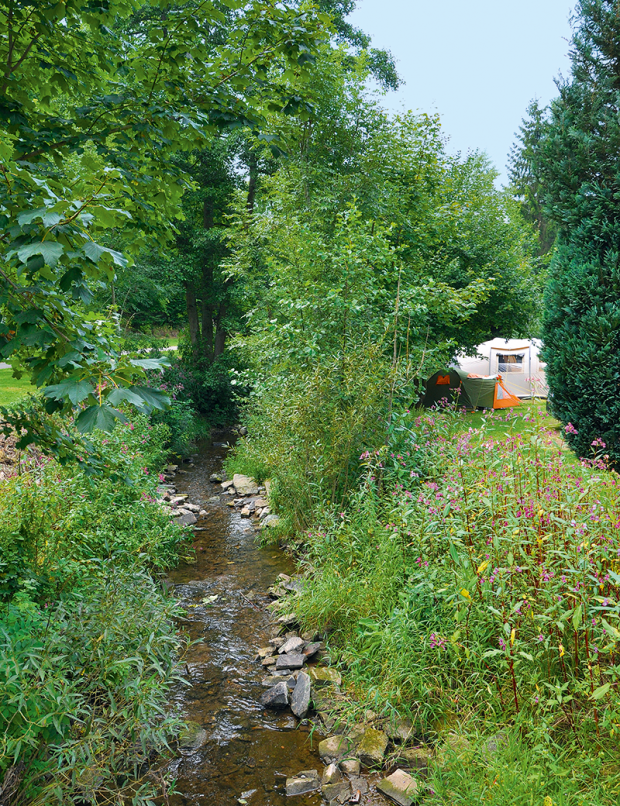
(497, 423)
(13, 389)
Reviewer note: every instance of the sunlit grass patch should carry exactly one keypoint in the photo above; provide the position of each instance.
(13, 389)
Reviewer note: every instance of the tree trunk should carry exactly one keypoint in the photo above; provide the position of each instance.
(192, 317)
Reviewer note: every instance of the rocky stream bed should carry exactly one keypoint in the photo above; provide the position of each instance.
(262, 702)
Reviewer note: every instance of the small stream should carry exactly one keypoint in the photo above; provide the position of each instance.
(246, 749)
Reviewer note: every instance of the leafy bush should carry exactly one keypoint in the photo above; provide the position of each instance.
(309, 430)
(88, 643)
(473, 583)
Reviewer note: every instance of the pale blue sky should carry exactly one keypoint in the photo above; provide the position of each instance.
(476, 62)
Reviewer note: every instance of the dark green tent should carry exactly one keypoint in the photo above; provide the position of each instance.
(454, 385)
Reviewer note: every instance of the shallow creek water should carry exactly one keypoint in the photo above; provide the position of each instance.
(246, 745)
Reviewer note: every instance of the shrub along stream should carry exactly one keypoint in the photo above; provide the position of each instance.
(471, 582)
(88, 646)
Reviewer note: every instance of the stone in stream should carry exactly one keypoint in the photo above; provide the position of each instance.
(360, 784)
(276, 697)
(277, 642)
(216, 478)
(331, 775)
(300, 698)
(351, 766)
(245, 485)
(339, 792)
(303, 782)
(400, 787)
(246, 512)
(292, 646)
(202, 513)
(171, 468)
(265, 652)
(269, 661)
(290, 661)
(189, 519)
(334, 749)
(371, 749)
(226, 485)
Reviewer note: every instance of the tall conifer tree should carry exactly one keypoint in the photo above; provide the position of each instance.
(578, 160)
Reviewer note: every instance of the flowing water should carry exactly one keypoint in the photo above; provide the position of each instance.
(246, 748)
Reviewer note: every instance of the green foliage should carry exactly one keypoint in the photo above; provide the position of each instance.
(88, 646)
(576, 159)
(96, 100)
(473, 584)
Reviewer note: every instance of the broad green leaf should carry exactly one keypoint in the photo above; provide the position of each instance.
(600, 692)
(577, 617)
(101, 417)
(50, 251)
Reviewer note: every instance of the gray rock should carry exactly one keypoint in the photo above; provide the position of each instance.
(360, 784)
(371, 749)
(270, 660)
(311, 649)
(172, 468)
(303, 782)
(351, 766)
(400, 787)
(290, 661)
(300, 699)
(292, 645)
(216, 478)
(331, 775)
(340, 791)
(192, 737)
(245, 485)
(202, 513)
(335, 748)
(243, 431)
(265, 652)
(227, 484)
(246, 512)
(277, 642)
(276, 697)
(188, 519)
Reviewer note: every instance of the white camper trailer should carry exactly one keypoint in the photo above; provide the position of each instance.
(516, 360)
